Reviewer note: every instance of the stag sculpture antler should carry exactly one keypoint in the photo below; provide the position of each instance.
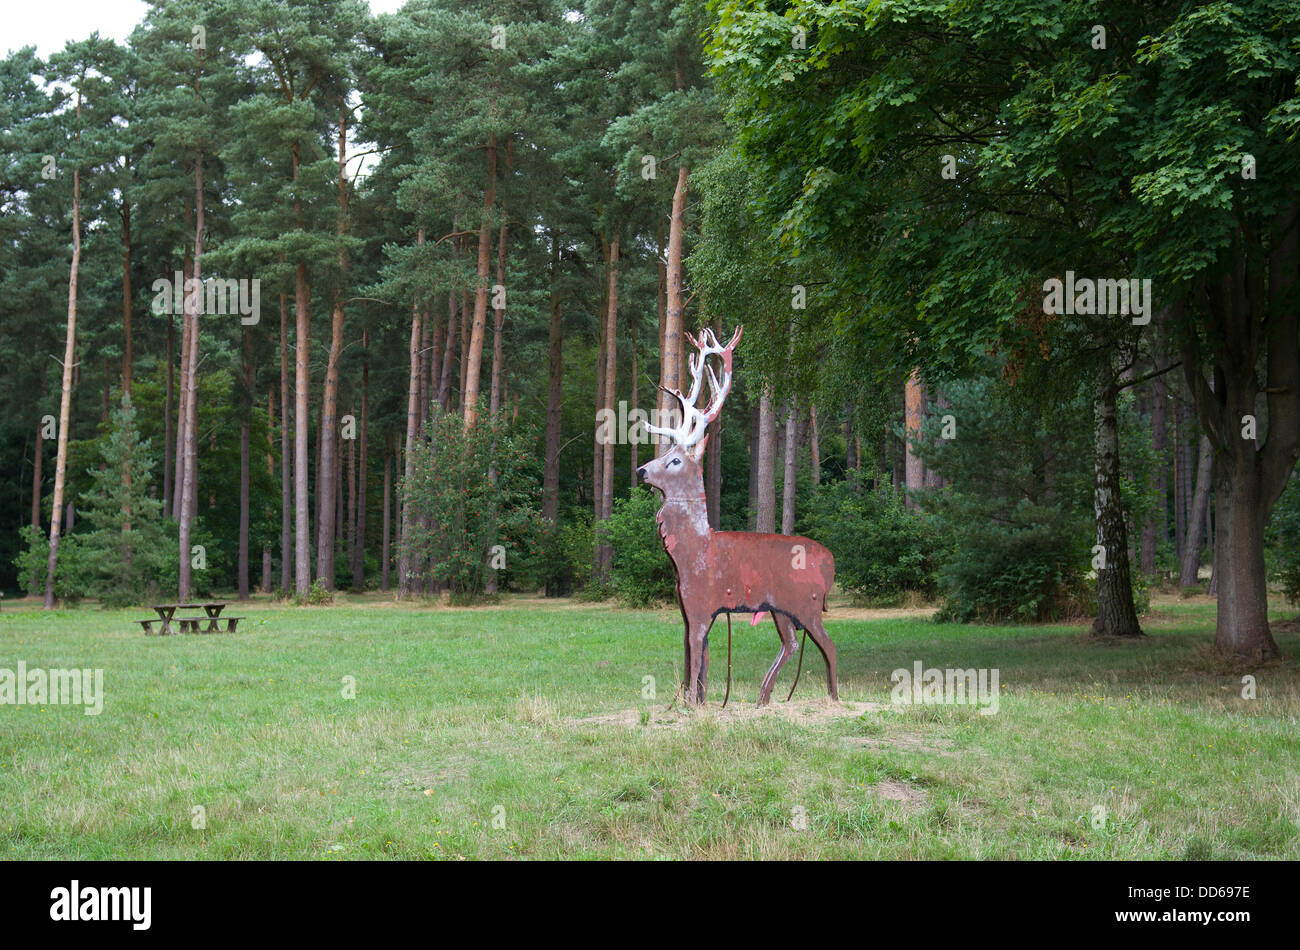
(730, 571)
(690, 432)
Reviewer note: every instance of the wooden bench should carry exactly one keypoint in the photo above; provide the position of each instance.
(167, 615)
(194, 624)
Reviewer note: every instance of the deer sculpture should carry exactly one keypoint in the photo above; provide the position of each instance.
(730, 571)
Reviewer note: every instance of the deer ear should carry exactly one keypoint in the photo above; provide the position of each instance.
(697, 450)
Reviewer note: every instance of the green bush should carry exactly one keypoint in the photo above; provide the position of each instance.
(71, 573)
(882, 550)
(641, 573)
(1030, 572)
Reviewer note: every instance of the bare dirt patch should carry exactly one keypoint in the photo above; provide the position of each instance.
(892, 790)
(803, 712)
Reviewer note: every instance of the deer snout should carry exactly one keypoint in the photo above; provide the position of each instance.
(641, 473)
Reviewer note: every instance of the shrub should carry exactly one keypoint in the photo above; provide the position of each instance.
(1028, 572)
(882, 550)
(641, 572)
(70, 575)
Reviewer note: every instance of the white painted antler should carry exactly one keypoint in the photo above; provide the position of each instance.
(694, 422)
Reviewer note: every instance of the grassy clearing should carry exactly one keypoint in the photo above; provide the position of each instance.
(462, 712)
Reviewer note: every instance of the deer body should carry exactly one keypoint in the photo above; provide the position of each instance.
(732, 571)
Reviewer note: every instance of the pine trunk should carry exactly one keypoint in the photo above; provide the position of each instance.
(674, 309)
(385, 541)
(190, 487)
(286, 450)
(474, 358)
(611, 370)
(359, 536)
(404, 562)
(65, 397)
(554, 393)
(765, 518)
(245, 466)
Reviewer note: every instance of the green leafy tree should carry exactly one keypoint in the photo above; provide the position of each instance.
(1165, 153)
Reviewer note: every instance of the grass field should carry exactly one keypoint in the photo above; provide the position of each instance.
(532, 713)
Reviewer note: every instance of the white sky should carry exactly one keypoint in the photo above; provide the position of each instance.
(49, 24)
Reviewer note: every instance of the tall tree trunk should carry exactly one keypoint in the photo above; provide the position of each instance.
(606, 551)
(286, 451)
(634, 403)
(494, 398)
(1184, 469)
(713, 475)
(914, 409)
(474, 359)
(554, 392)
(350, 519)
(1190, 565)
(385, 541)
(182, 411)
(466, 320)
(245, 464)
(765, 520)
(449, 350)
(755, 428)
(597, 447)
(675, 307)
(1116, 613)
(426, 394)
(329, 424)
(65, 397)
(167, 417)
(128, 351)
(814, 445)
(498, 325)
(189, 490)
(359, 534)
(790, 477)
(404, 561)
(269, 510)
(301, 446)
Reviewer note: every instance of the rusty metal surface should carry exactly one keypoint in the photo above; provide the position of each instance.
(731, 571)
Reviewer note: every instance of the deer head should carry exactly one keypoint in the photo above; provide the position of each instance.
(677, 471)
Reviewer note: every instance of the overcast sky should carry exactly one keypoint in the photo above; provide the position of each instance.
(49, 24)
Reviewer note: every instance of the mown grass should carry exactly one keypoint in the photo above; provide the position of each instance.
(1144, 750)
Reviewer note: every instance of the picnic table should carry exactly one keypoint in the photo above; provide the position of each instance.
(167, 613)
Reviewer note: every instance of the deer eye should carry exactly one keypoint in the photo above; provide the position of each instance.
(676, 462)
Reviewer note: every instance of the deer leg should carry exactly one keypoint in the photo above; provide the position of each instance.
(818, 633)
(788, 646)
(704, 663)
(694, 679)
